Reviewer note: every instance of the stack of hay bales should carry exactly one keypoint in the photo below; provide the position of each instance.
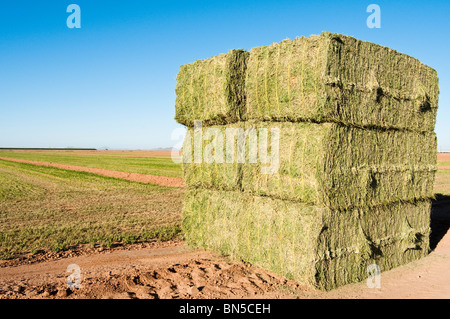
(357, 157)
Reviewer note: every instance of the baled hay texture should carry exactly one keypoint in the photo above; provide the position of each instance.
(322, 164)
(211, 90)
(217, 165)
(310, 244)
(341, 167)
(336, 78)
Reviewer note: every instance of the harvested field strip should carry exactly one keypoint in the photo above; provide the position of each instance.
(443, 157)
(119, 155)
(130, 154)
(442, 182)
(51, 209)
(151, 166)
(443, 161)
(135, 177)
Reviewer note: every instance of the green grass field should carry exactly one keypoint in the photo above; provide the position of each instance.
(44, 208)
(130, 164)
(442, 163)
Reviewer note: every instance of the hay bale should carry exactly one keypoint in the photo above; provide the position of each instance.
(336, 78)
(322, 164)
(311, 244)
(357, 157)
(341, 167)
(211, 90)
(215, 166)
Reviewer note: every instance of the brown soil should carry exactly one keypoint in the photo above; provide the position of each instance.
(175, 271)
(169, 271)
(135, 177)
(443, 156)
(172, 270)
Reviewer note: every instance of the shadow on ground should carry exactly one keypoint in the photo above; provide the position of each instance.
(440, 219)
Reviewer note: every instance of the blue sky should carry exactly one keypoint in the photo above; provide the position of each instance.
(112, 82)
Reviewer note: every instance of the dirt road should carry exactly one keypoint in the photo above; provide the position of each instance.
(176, 271)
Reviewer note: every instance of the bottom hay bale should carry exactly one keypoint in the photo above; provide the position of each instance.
(310, 244)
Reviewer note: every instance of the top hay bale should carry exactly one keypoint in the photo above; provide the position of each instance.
(212, 90)
(336, 78)
(322, 78)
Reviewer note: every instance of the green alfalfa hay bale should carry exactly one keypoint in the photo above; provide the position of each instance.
(324, 164)
(313, 245)
(221, 221)
(341, 167)
(352, 268)
(215, 165)
(336, 78)
(211, 90)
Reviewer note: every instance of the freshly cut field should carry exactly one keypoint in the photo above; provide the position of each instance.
(152, 163)
(442, 180)
(126, 153)
(50, 209)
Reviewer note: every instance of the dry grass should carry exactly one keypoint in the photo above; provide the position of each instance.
(128, 163)
(442, 180)
(45, 208)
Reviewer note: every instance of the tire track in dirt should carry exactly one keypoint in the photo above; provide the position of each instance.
(176, 271)
(134, 177)
(170, 272)
(173, 270)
